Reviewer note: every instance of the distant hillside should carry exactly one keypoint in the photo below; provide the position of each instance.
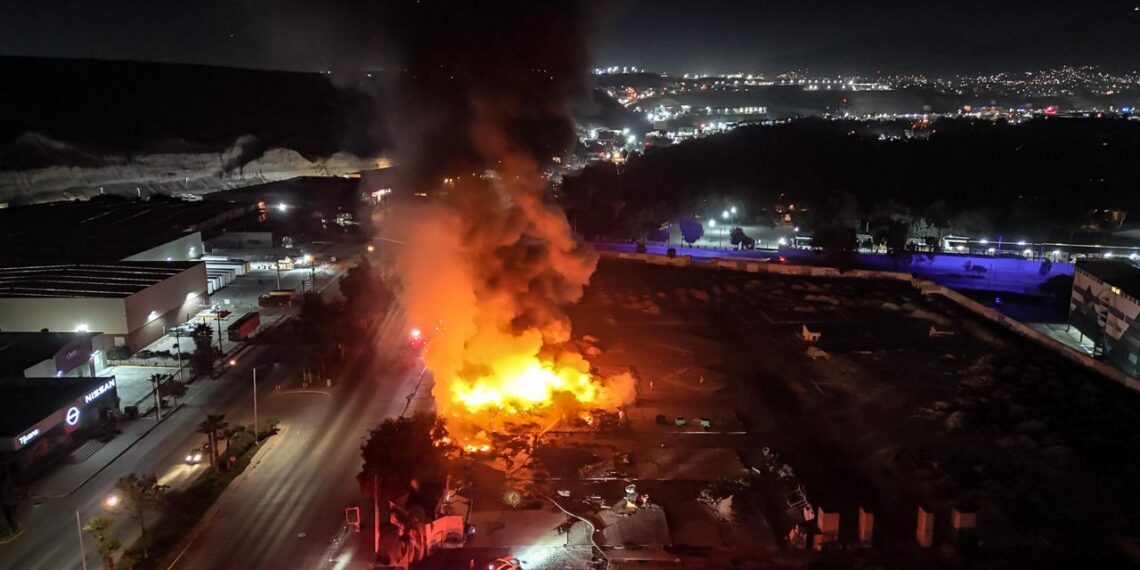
(132, 107)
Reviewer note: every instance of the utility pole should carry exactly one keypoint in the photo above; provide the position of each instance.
(375, 516)
(156, 380)
(82, 551)
(255, 440)
(221, 350)
(278, 265)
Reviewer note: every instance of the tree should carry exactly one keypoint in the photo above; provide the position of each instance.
(357, 282)
(738, 237)
(894, 236)
(107, 545)
(401, 450)
(691, 230)
(141, 495)
(211, 426)
(202, 360)
(172, 389)
(838, 242)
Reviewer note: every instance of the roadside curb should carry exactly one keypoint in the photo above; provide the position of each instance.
(108, 464)
(254, 461)
(13, 537)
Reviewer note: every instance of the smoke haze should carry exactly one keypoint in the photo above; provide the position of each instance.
(482, 100)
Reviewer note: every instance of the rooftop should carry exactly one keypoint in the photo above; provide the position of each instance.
(105, 229)
(20, 350)
(1116, 273)
(25, 401)
(110, 280)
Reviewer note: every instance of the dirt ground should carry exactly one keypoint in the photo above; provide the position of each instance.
(878, 413)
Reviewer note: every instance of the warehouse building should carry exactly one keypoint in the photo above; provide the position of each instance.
(43, 419)
(131, 303)
(113, 229)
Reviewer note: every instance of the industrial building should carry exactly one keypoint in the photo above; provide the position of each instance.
(112, 229)
(42, 419)
(47, 354)
(131, 303)
(1104, 306)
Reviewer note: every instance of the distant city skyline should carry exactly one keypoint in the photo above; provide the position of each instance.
(674, 36)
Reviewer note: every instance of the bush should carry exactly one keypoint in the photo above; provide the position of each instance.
(118, 353)
(265, 427)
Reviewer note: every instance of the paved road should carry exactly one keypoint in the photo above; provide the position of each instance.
(50, 540)
(290, 506)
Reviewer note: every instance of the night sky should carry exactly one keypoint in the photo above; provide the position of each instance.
(667, 35)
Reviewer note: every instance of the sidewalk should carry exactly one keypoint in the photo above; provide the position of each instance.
(67, 478)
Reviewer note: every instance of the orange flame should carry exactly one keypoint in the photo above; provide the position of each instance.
(523, 384)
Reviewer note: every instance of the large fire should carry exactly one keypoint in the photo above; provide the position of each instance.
(487, 253)
(523, 385)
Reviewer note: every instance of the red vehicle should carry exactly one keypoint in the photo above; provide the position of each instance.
(243, 327)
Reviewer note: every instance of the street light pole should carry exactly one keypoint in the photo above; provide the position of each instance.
(278, 264)
(178, 350)
(82, 550)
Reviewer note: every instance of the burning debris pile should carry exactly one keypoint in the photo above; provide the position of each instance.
(489, 257)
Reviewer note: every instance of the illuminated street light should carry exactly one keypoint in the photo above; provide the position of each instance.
(371, 248)
(112, 501)
(983, 241)
(233, 362)
(724, 214)
(712, 223)
(1022, 242)
(282, 207)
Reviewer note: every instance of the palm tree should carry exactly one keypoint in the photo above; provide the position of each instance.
(214, 423)
(172, 389)
(100, 528)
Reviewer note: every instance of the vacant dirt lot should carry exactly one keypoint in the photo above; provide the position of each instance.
(878, 413)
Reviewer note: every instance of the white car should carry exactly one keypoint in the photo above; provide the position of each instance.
(194, 456)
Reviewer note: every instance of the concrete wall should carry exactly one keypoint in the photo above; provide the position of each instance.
(31, 314)
(926, 288)
(186, 248)
(165, 304)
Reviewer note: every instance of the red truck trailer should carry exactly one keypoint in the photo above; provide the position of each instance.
(243, 327)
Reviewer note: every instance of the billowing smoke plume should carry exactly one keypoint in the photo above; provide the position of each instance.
(490, 260)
